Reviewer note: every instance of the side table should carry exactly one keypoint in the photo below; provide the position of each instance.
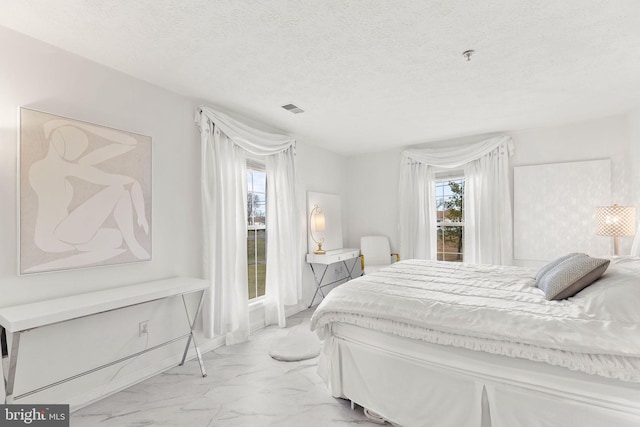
(331, 257)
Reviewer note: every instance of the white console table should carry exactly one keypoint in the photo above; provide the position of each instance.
(331, 257)
(22, 318)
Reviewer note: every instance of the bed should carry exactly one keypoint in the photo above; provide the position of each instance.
(453, 344)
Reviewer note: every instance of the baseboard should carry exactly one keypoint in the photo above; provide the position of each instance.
(295, 309)
(257, 312)
(208, 346)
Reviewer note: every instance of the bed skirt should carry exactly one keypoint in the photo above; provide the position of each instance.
(415, 383)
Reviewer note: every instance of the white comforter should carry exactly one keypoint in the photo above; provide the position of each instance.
(496, 309)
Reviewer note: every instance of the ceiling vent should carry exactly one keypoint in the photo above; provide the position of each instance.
(468, 54)
(293, 108)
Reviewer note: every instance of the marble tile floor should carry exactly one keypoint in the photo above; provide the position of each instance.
(244, 387)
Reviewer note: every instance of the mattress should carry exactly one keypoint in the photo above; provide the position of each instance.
(498, 310)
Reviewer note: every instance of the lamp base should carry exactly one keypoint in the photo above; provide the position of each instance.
(320, 251)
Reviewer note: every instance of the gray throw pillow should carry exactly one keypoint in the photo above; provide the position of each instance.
(571, 276)
(547, 267)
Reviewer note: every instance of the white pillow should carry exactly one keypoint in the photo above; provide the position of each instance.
(616, 296)
(550, 265)
(571, 275)
(631, 263)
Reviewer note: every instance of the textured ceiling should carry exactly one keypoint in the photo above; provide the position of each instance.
(370, 74)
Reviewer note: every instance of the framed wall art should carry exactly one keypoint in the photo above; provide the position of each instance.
(554, 209)
(85, 194)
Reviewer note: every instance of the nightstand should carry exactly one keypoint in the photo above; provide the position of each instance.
(331, 257)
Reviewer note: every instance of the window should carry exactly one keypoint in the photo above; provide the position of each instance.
(256, 230)
(450, 219)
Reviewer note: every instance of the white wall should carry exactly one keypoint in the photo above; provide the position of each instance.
(589, 140)
(41, 77)
(633, 124)
(373, 197)
(602, 138)
(373, 178)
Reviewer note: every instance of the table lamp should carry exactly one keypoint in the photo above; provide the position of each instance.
(316, 217)
(616, 221)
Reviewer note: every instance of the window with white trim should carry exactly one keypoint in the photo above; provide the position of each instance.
(450, 218)
(256, 229)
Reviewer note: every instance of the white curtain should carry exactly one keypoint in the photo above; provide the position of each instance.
(284, 284)
(417, 210)
(488, 229)
(225, 141)
(224, 199)
(255, 141)
(487, 201)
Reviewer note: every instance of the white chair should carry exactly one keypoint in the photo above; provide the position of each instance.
(375, 253)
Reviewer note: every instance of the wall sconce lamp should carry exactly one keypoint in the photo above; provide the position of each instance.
(616, 221)
(316, 217)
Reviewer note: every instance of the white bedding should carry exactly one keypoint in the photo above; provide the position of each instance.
(497, 309)
(415, 383)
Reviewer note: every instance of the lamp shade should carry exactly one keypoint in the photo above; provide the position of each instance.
(319, 221)
(616, 220)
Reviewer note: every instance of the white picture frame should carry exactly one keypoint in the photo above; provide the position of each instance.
(554, 209)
